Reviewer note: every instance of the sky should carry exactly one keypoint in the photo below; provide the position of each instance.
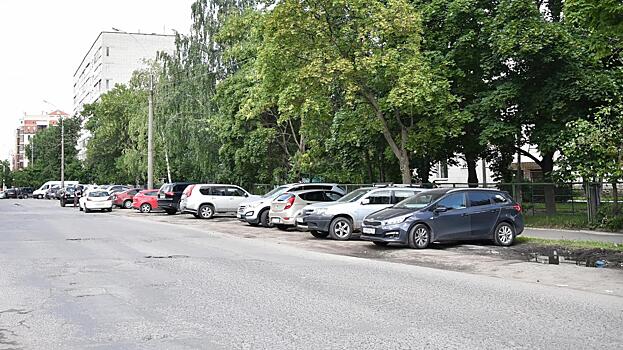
(42, 43)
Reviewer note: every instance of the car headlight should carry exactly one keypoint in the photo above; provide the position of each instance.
(397, 220)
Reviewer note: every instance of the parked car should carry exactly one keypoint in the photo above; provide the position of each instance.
(70, 195)
(206, 200)
(255, 209)
(123, 199)
(145, 201)
(12, 193)
(41, 191)
(342, 218)
(169, 196)
(51, 192)
(285, 208)
(447, 215)
(117, 189)
(25, 192)
(2, 195)
(96, 199)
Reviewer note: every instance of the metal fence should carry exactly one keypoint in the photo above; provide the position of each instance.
(572, 198)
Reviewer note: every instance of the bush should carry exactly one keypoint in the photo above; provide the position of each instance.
(607, 220)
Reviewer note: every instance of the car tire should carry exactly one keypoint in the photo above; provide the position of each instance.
(264, 219)
(171, 212)
(380, 244)
(86, 210)
(127, 204)
(281, 227)
(419, 237)
(341, 229)
(504, 234)
(145, 208)
(206, 211)
(319, 234)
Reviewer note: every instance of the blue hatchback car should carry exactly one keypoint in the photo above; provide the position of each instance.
(447, 215)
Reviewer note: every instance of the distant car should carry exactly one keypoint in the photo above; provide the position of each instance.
(342, 218)
(51, 192)
(96, 200)
(285, 209)
(118, 188)
(2, 195)
(67, 195)
(25, 192)
(169, 196)
(12, 193)
(123, 199)
(254, 210)
(447, 215)
(145, 201)
(205, 200)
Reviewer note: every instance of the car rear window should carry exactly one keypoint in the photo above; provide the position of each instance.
(284, 197)
(332, 196)
(98, 194)
(316, 196)
(499, 198)
(166, 188)
(478, 198)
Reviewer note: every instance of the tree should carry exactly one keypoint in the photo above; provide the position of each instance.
(371, 50)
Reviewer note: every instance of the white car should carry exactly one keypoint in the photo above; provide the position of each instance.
(342, 218)
(206, 200)
(95, 199)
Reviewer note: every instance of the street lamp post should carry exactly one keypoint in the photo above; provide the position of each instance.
(62, 144)
(150, 120)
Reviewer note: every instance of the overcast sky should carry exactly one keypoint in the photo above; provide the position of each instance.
(42, 43)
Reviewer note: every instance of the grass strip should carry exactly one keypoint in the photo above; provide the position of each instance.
(569, 244)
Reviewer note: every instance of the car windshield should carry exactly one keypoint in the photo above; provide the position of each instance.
(275, 192)
(99, 194)
(353, 196)
(419, 201)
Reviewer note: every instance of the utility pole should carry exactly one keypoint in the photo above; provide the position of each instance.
(62, 152)
(150, 135)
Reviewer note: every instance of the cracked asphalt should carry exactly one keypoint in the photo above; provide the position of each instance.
(70, 280)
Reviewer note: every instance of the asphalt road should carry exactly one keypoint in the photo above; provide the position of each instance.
(70, 280)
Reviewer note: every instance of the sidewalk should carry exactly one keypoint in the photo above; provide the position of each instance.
(577, 235)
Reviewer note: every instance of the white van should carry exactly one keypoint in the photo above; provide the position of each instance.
(46, 186)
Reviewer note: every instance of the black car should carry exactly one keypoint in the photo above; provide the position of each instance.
(25, 192)
(12, 193)
(70, 195)
(169, 196)
(447, 215)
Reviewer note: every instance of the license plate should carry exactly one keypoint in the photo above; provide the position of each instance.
(369, 230)
(276, 220)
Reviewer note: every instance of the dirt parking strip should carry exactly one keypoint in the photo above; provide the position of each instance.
(477, 258)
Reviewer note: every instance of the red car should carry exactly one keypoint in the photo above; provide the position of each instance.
(124, 199)
(145, 201)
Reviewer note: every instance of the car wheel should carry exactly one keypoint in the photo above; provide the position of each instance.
(127, 204)
(171, 212)
(319, 234)
(380, 244)
(264, 219)
(281, 227)
(145, 208)
(86, 210)
(206, 211)
(341, 229)
(419, 237)
(504, 234)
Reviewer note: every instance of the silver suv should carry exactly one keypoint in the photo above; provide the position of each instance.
(342, 218)
(255, 210)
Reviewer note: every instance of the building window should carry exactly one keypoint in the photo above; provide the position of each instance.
(107, 51)
(107, 84)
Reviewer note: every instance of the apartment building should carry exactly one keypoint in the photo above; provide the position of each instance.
(30, 124)
(112, 59)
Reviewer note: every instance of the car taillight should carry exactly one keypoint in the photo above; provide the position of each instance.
(189, 190)
(517, 207)
(290, 202)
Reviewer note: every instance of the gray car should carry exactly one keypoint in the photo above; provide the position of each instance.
(447, 215)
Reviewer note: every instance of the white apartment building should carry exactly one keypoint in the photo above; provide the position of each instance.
(111, 60)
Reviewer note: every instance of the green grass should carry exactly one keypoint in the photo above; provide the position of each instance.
(560, 221)
(570, 244)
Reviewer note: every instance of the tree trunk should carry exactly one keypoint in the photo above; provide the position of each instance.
(615, 198)
(472, 173)
(547, 166)
(405, 168)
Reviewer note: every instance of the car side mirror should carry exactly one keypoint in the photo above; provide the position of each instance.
(440, 209)
(246, 195)
(365, 201)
